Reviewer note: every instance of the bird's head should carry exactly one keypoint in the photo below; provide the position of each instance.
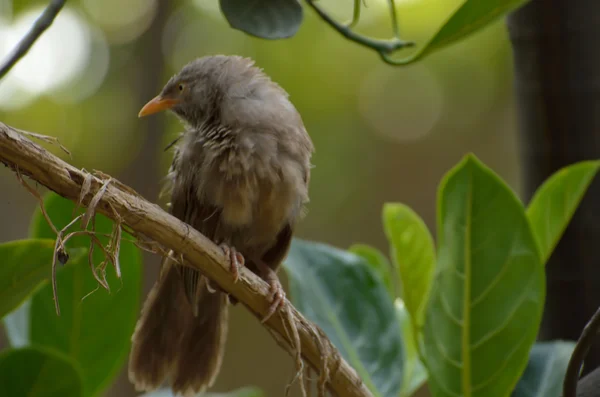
(197, 92)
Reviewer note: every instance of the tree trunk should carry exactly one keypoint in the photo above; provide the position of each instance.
(557, 82)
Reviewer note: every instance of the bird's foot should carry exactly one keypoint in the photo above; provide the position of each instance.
(277, 297)
(276, 292)
(236, 260)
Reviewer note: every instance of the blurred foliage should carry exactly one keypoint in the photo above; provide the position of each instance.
(36, 372)
(413, 256)
(339, 292)
(555, 202)
(95, 326)
(25, 272)
(546, 369)
(483, 313)
(274, 19)
(415, 373)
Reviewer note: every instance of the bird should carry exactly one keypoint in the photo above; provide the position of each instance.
(239, 175)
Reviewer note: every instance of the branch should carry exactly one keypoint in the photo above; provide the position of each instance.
(121, 203)
(581, 349)
(383, 47)
(41, 24)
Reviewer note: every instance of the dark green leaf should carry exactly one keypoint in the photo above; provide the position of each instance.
(413, 254)
(340, 292)
(25, 265)
(35, 372)
(486, 304)
(471, 16)
(95, 331)
(415, 374)
(378, 262)
(267, 19)
(555, 202)
(243, 392)
(546, 370)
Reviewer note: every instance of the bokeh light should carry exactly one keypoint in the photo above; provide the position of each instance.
(401, 107)
(61, 57)
(121, 20)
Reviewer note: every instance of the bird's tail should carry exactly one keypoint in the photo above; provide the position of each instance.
(169, 342)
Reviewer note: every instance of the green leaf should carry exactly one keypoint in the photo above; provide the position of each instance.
(35, 372)
(267, 19)
(546, 370)
(471, 16)
(378, 262)
(95, 331)
(25, 265)
(415, 374)
(413, 254)
(339, 292)
(243, 392)
(554, 203)
(486, 304)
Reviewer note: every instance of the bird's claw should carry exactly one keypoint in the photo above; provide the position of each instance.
(276, 296)
(236, 260)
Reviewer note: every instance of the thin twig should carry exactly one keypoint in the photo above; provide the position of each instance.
(41, 24)
(293, 336)
(383, 47)
(85, 189)
(48, 139)
(39, 199)
(53, 274)
(581, 349)
(115, 242)
(91, 210)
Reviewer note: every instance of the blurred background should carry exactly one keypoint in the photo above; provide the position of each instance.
(382, 133)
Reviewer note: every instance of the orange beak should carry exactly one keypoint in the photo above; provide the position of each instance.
(157, 104)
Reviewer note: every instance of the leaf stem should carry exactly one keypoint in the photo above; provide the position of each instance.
(383, 47)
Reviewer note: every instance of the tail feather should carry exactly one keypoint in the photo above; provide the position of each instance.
(199, 359)
(169, 342)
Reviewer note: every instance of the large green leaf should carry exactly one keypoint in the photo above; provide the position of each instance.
(554, 203)
(413, 254)
(470, 17)
(35, 372)
(95, 331)
(267, 19)
(339, 292)
(24, 265)
(486, 303)
(243, 392)
(378, 262)
(546, 370)
(415, 374)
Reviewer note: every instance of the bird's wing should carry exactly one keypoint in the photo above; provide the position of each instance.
(276, 254)
(204, 217)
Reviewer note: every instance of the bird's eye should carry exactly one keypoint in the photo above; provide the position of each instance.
(180, 87)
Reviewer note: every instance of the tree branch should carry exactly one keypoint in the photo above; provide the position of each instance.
(41, 24)
(120, 201)
(383, 47)
(584, 343)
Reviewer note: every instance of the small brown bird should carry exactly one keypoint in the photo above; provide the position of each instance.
(240, 176)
